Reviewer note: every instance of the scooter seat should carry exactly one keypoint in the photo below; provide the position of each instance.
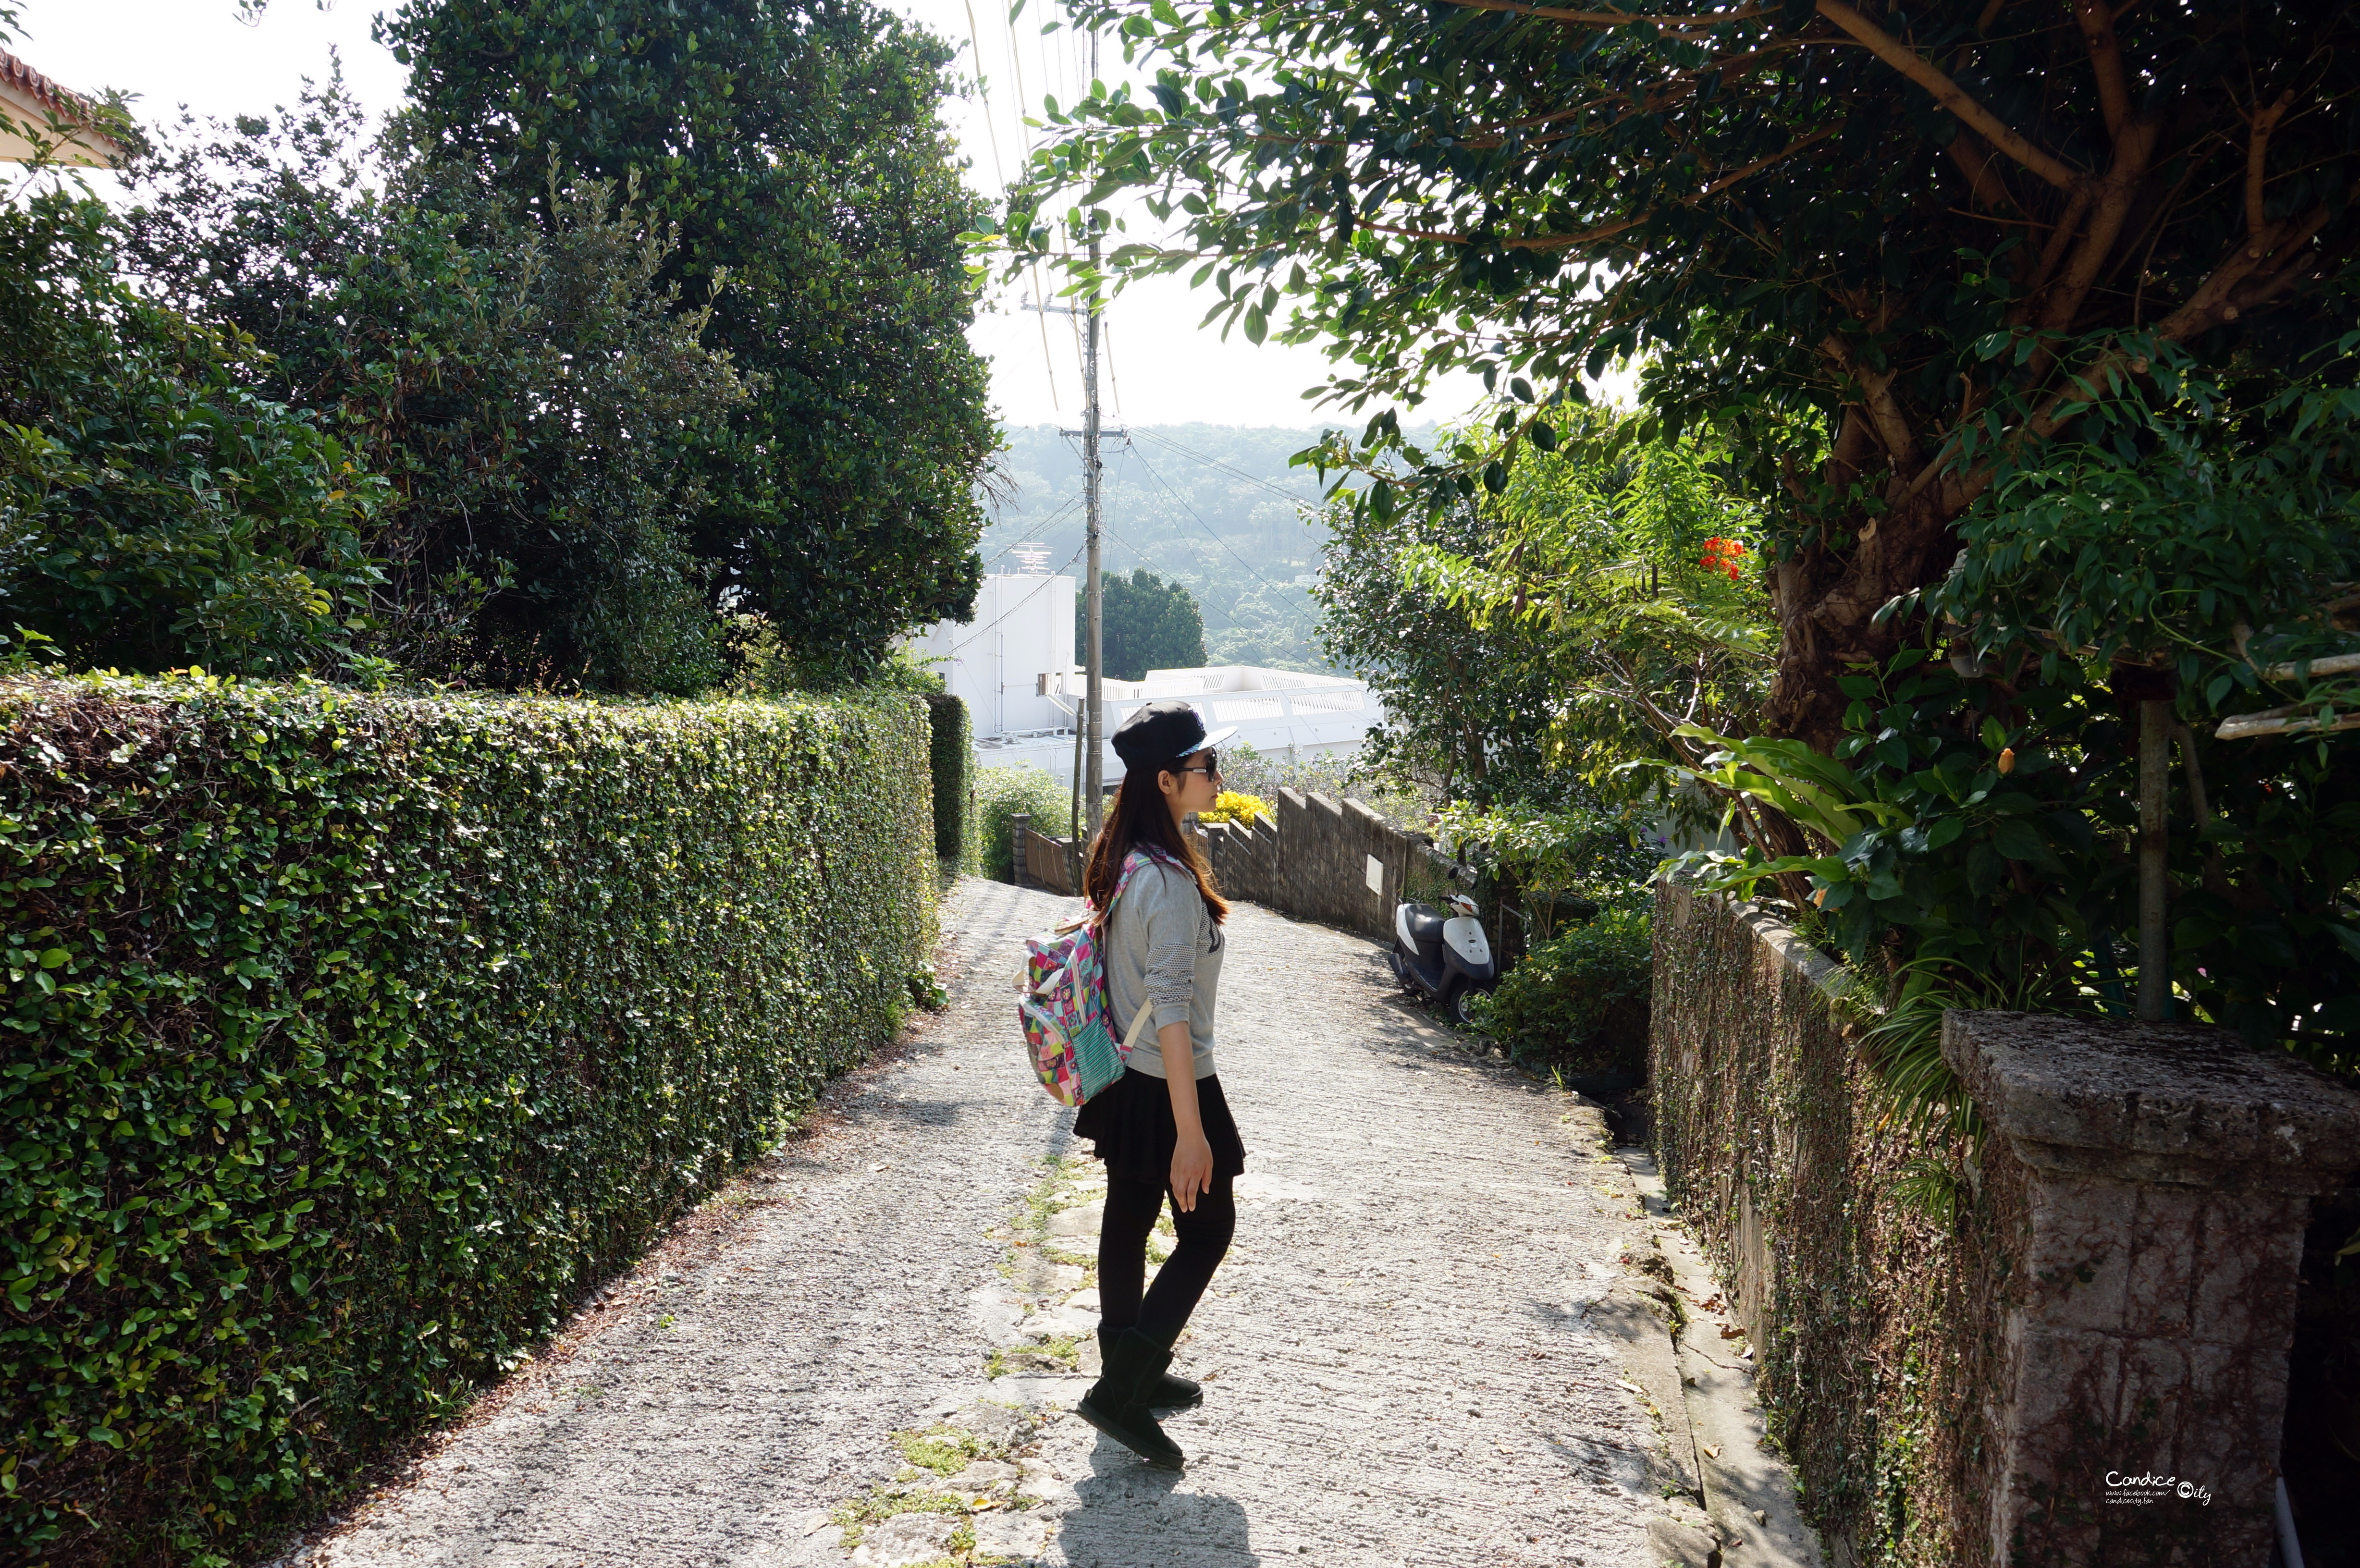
(1425, 924)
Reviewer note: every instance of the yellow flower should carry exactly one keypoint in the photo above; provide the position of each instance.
(1234, 806)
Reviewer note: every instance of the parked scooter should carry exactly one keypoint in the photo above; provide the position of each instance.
(1442, 955)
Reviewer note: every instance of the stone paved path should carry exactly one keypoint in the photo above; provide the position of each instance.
(1406, 1360)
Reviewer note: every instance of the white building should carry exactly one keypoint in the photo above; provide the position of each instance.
(1023, 624)
(1015, 666)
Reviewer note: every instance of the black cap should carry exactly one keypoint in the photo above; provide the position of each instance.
(1159, 732)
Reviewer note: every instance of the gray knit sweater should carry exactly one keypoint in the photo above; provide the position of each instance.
(1163, 945)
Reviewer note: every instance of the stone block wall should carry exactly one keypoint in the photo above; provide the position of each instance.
(1853, 1303)
(1337, 862)
(2062, 1342)
(2161, 1178)
(1341, 864)
(1041, 860)
(1247, 861)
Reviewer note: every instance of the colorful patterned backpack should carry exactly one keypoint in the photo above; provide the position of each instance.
(1061, 1003)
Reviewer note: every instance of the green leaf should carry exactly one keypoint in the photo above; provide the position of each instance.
(2018, 839)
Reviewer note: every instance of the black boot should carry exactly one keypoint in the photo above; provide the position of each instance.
(1163, 1391)
(1133, 1363)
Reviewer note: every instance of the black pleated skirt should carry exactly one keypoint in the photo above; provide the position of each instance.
(1130, 1124)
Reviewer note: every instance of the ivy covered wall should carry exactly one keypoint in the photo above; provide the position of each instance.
(350, 1039)
(1866, 1266)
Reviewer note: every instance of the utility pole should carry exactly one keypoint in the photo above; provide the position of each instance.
(1090, 730)
(1097, 785)
(2154, 1004)
(1093, 781)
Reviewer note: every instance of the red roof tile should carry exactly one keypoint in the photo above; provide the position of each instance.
(33, 84)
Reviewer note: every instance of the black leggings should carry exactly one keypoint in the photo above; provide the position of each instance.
(1131, 1208)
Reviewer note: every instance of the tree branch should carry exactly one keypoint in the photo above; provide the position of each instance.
(2134, 150)
(1973, 156)
(1604, 231)
(2097, 25)
(2222, 297)
(2052, 251)
(1947, 92)
(1555, 242)
(1616, 19)
(2237, 285)
(1658, 97)
(2257, 151)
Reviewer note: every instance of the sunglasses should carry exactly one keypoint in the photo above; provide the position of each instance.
(1212, 765)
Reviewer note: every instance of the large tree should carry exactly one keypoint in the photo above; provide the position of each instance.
(1892, 256)
(1546, 644)
(156, 511)
(1149, 624)
(537, 402)
(798, 150)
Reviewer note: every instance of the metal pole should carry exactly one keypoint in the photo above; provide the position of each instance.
(1095, 761)
(2154, 843)
(1073, 827)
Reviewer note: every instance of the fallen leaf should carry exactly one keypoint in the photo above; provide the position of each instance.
(1710, 1451)
(1731, 1331)
(1633, 1387)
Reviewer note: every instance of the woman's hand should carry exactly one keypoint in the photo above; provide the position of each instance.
(1192, 1170)
(1192, 1157)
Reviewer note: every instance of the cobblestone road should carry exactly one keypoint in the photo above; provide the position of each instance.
(1406, 1358)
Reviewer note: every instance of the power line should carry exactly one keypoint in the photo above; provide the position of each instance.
(1217, 538)
(1228, 468)
(983, 87)
(1041, 526)
(952, 652)
(1114, 380)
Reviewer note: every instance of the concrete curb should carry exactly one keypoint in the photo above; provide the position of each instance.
(1748, 1491)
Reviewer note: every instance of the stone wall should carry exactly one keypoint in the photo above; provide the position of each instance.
(1767, 1140)
(1337, 862)
(1332, 861)
(1958, 1340)
(1247, 862)
(1041, 860)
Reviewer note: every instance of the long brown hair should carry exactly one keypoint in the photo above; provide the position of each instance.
(1140, 816)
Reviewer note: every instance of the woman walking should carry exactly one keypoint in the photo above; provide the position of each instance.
(1163, 1128)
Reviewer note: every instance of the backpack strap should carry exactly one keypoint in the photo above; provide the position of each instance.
(1138, 860)
(1138, 1028)
(1141, 858)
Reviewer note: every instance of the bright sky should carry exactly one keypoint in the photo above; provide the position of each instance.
(1163, 371)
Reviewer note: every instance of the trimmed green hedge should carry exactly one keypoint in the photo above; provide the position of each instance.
(953, 756)
(350, 1039)
(1000, 795)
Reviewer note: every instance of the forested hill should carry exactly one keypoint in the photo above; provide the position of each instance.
(1214, 507)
